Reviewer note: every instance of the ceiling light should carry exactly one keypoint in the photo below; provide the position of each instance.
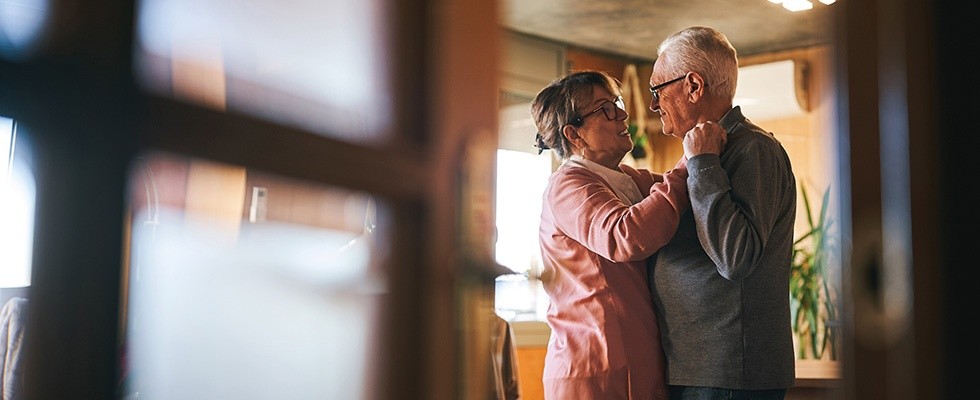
(797, 5)
(800, 5)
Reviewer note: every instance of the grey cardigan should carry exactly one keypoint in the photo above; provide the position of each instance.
(721, 286)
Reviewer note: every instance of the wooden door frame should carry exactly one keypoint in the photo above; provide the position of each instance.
(76, 97)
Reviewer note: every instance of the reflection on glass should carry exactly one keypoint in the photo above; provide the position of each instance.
(236, 293)
(317, 65)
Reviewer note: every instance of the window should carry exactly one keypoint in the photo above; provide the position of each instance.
(17, 193)
(521, 179)
(522, 174)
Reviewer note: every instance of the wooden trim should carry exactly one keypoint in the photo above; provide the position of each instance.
(818, 373)
(254, 143)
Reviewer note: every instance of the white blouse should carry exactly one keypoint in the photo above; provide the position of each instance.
(622, 184)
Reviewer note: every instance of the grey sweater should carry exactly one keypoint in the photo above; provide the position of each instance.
(721, 286)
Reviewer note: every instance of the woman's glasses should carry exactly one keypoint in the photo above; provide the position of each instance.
(608, 108)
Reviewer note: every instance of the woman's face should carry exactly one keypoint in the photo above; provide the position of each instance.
(603, 137)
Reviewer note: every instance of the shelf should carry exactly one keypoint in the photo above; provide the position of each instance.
(817, 373)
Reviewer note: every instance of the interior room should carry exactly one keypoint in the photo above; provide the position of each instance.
(340, 200)
(786, 87)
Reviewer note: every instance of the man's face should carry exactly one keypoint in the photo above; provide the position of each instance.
(670, 98)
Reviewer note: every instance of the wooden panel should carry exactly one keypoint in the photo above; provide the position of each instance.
(305, 203)
(666, 150)
(215, 194)
(580, 59)
(530, 364)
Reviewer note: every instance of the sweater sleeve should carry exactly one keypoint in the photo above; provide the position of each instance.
(735, 207)
(588, 211)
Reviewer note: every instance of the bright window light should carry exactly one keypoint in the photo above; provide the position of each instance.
(521, 179)
(17, 192)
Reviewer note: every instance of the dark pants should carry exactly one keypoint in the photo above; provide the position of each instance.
(708, 393)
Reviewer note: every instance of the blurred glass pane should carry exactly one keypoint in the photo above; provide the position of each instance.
(312, 64)
(247, 285)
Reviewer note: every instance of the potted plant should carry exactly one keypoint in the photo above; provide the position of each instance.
(813, 292)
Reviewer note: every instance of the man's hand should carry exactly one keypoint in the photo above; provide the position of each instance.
(704, 138)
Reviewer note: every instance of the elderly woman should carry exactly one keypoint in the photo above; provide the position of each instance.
(600, 221)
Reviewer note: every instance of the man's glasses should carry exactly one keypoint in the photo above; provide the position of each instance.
(655, 89)
(608, 108)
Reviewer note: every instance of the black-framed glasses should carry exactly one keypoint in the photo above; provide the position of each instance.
(608, 108)
(655, 89)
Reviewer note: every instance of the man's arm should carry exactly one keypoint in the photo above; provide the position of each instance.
(736, 207)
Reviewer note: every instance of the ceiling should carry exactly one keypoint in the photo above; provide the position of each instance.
(634, 28)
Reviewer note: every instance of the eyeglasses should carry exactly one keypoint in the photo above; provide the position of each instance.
(608, 108)
(655, 89)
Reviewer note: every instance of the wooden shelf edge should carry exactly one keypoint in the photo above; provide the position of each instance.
(817, 373)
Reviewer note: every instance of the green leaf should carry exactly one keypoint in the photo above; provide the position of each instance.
(812, 294)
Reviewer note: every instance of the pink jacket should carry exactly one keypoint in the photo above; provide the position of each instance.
(605, 342)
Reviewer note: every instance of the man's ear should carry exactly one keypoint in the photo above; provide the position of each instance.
(695, 84)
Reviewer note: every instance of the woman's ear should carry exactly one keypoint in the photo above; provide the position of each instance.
(571, 134)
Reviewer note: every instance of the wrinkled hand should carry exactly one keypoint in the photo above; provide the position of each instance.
(704, 138)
